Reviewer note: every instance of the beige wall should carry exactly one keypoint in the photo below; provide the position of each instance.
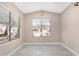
(68, 30)
(6, 48)
(70, 27)
(55, 27)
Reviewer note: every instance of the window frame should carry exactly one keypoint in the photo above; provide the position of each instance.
(41, 27)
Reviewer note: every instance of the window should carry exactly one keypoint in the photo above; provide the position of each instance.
(41, 27)
(14, 27)
(4, 25)
(36, 23)
(9, 26)
(45, 27)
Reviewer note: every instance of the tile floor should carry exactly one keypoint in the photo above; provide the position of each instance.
(42, 50)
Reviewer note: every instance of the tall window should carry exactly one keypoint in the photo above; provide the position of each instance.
(45, 27)
(36, 23)
(9, 26)
(41, 27)
(4, 25)
(14, 27)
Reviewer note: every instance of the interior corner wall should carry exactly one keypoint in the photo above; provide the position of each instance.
(55, 27)
(8, 47)
(70, 27)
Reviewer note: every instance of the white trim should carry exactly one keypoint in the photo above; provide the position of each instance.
(44, 43)
(15, 50)
(71, 50)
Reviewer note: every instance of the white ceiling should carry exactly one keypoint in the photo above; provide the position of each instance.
(28, 7)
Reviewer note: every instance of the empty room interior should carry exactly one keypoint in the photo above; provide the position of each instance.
(39, 28)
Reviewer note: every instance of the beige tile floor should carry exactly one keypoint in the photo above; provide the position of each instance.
(42, 50)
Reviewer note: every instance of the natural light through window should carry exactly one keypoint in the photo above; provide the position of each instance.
(41, 27)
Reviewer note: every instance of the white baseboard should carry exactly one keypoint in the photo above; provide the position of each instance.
(15, 50)
(75, 53)
(44, 43)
